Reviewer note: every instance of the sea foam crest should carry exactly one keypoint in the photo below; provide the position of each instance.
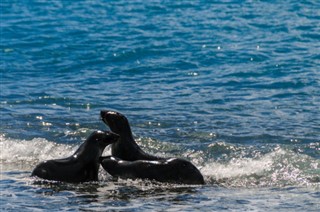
(35, 150)
(32, 151)
(280, 167)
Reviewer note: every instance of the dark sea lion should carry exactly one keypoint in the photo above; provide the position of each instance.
(125, 148)
(130, 161)
(83, 165)
(172, 170)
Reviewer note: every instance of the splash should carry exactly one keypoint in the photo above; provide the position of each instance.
(280, 167)
(30, 152)
(25, 154)
(221, 163)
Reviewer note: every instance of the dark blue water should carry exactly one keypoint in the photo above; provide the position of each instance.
(232, 86)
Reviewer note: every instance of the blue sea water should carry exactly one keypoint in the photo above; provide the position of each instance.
(232, 85)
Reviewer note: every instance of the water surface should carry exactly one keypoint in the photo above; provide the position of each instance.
(232, 86)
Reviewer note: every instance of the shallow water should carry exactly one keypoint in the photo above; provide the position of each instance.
(232, 86)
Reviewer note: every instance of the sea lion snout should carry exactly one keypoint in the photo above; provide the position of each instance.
(116, 121)
(107, 115)
(105, 137)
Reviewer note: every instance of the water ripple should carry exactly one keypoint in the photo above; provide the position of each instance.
(228, 85)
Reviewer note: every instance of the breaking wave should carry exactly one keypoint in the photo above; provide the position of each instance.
(221, 163)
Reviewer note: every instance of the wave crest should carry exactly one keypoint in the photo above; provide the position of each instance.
(221, 163)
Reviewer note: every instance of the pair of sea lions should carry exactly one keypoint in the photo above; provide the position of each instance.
(128, 160)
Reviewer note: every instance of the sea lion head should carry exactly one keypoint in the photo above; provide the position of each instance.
(103, 138)
(117, 122)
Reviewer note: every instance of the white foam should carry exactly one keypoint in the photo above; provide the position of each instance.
(280, 167)
(37, 149)
(237, 167)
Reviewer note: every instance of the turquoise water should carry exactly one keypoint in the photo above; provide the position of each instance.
(232, 86)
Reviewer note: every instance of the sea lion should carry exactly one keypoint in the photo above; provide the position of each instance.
(82, 166)
(172, 170)
(125, 148)
(128, 160)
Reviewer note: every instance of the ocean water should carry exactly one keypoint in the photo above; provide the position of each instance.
(233, 86)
